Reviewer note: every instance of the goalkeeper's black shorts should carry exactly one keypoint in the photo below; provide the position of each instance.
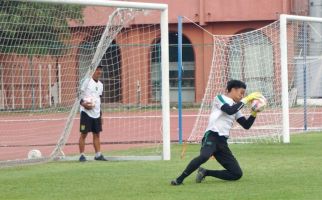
(89, 124)
(217, 146)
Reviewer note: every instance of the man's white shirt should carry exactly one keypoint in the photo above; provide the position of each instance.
(220, 121)
(93, 89)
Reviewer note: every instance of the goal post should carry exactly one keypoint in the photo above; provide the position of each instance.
(60, 48)
(283, 61)
(305, 52)
(284, 41)
(284, 79)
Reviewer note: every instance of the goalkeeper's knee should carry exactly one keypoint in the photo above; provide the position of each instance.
(237, 175)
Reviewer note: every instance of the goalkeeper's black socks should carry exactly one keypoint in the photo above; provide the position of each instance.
(182, 177)
(192, 166)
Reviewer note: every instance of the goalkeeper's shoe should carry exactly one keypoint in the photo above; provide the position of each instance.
(176, 182)
(201, 174)
(100, 158)
(82, 158)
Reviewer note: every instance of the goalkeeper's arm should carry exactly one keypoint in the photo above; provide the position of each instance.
(247, 123)
(230, 110)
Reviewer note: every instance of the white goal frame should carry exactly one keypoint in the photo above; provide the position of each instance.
(164, 53)
(284, 68)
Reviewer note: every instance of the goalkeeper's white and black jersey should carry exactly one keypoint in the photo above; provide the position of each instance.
(94, 89)
(220, 121)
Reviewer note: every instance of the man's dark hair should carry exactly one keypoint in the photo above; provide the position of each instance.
(100, 67)
(235, 84)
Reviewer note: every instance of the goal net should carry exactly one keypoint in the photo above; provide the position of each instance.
(290, 81)
(47, 50)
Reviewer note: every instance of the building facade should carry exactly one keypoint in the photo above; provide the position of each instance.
(217, 17)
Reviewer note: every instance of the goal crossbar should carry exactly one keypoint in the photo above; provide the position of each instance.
(119, 4)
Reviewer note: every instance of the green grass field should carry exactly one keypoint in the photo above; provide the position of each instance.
(271, 171)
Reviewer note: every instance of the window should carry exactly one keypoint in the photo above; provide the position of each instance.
(188, 74)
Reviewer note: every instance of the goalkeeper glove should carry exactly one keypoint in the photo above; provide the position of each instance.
(253, 113)
(251, 97)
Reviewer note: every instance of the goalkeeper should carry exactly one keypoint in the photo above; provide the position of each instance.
(91, 116)
(226, 109)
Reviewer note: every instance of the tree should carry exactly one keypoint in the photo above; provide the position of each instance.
(35, 28)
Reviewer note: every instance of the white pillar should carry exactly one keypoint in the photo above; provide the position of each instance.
(39, 86)
(22, 88)
(49, 84)
(2, 88)
(59, 83)
(165, 84)
(284, 79)
(13, 87)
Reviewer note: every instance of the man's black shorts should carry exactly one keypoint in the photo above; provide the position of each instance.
(89, 124)
(213, 143)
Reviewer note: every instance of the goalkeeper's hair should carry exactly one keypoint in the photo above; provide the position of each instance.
(235, 84)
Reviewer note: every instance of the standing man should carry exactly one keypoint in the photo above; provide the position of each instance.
(225, 110)
(91, 114)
